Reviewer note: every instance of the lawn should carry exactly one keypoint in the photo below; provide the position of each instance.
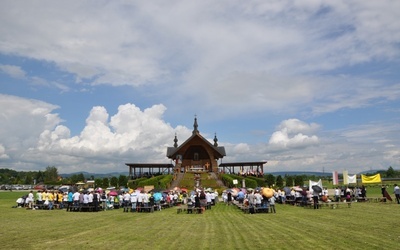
(363, 226)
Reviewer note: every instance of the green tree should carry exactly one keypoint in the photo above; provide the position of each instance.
(122, 181)
(279, 181)
(390, 173)
(39, 177)
(50, 175)
(28, 179)
(270, 180)
(98, 182)
(106, 182)
(114, 181)
(75, 178)
(289, 180)
(298, 180)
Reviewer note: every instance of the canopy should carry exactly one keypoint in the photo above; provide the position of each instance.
(317, 188)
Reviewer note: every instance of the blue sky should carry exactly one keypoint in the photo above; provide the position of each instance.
(304, 85)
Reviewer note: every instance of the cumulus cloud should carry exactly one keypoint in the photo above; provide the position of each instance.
(274, 54)
(293, 134)
(3, 154)
(12, 70)
(32, 134)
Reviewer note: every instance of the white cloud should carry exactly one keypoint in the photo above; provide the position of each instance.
(232, 60)
(292, 134)
(261, 56)
(3, 154)
(134, 135)
(12, 70)
(105, 142)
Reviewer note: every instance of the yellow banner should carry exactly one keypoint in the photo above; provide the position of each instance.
(371, 179)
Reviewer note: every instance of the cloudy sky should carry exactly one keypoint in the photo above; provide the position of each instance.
(305, 85)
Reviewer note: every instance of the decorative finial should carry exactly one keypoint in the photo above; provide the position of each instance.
(215, 140)
(175, 141)
(195, 126)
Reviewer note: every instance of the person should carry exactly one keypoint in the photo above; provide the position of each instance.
(197, 201)
(240, 196)
(50, 198)
(397, 193)
(39, 200)
(337, 194)
(30, 199)
(134, 198)
(272, 204)
(315, 199)
(383, 190)
(103, 200)
(258, 199)
(96, 199)
(363, 191)
(70, 200)
(76, 198)
(251, 199)
(229, 199)
(127, 199)
(208, 200)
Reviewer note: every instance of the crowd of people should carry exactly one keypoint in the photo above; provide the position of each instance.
(138, 201)
(129, 201)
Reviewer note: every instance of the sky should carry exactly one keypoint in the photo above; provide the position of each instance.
(304, 85)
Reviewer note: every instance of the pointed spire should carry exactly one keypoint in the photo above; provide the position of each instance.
(215, 140)
(175, 141)
(195, 126)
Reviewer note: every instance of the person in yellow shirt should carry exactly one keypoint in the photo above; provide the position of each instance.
(50, 198)
(44, 196)
(60, 199)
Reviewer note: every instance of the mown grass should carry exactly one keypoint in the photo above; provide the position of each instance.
(363, 226)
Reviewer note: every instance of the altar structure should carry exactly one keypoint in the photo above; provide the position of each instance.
(196, 154)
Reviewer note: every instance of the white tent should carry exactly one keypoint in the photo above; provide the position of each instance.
(314, 183)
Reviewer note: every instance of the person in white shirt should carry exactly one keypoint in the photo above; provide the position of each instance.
(85, 198)
(76, 198)
(208, 199)
(90, 199)
(258, 198)
(134, 199)
(30, 199)
(127, 199)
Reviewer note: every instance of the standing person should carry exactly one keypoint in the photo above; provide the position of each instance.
(337, 194)
(272, 204)
(70, 200)
(103, 201)
(39, 200)
(96, 200)
(30, 199)
(258, 199)
(397, 193)
(315, 199)
(76, 198)
(133, 201)
(229, 199)
(50, 198)
(383, 189)
(127, 199)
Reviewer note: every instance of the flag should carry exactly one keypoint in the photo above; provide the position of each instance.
(371, 179)
(345, 177)
(352, 178)
(335, 178)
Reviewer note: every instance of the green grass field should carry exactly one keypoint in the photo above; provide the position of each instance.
(363, 226)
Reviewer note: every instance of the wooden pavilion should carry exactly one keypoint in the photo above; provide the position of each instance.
(196, 154)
